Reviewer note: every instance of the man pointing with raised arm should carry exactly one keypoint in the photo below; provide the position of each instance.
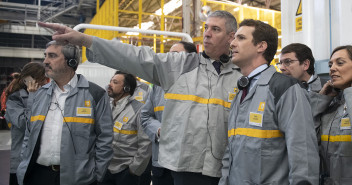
(199, 90)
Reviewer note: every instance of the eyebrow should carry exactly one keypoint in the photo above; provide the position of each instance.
(339, 58)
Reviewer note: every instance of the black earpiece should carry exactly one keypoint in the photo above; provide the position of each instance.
(72, 62)
(223, 58)
(305, 85)
(126, 89)
(243, 82)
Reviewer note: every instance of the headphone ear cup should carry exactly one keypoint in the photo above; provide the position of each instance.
(72, 63)
(126, 89)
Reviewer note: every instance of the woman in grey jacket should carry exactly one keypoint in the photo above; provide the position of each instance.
(334, 123)
(19, 100)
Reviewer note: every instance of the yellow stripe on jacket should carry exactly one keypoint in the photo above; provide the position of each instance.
(197, 99)
(250, 132)
(338, 138)
(126, 132)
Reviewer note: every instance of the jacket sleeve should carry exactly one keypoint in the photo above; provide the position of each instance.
(149, 122)
(141, 159)
(162, 69)
(296, 122)
(17, 113)
(225, 170)
(104, 134)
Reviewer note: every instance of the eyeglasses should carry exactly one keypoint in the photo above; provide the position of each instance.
(286, 62)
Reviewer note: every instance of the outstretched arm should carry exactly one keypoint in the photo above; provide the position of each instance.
(68, 35)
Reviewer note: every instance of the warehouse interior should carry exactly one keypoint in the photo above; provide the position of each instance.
(21, 41)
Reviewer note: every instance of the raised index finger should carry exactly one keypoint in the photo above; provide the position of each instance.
(57, 27)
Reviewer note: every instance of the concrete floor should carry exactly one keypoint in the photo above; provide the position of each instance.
(5, 145)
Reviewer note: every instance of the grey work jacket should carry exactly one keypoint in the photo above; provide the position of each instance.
(17, 114)
(86, 136)
(194, 129)
(132, 148)
(151, 116)
(271, 135)
(141, 92)
(315, 85)
(334, 131)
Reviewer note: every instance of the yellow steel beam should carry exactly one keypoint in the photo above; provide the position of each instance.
(140, 10)
(162, 27)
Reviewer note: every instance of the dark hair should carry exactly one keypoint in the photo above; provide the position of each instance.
(129, 81)
(302, 53)
(230, 20)
(189, 47)
(263, 32)
(68, 50)
(34, 69)
(348, 48)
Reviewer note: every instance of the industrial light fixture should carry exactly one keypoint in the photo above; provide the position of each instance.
(168, 8)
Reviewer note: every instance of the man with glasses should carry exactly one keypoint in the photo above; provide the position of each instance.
(297, 60)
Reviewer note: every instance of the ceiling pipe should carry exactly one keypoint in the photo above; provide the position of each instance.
(123, 29)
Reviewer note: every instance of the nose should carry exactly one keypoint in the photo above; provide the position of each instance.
(207, 33)
(233, 44)
(282, 67)
(46, 60)
(332, 68)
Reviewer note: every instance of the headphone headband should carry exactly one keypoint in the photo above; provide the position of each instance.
(72, 62)
(223, 58)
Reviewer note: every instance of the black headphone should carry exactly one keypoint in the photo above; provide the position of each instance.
(223, 58)
(72, 62)
(244, 81)
(126, 89)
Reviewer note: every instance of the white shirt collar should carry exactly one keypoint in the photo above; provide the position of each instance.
(70, 85)
(258, 70)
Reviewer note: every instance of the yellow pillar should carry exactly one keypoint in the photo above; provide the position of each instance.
(98, 4)
(162, 27)
(154, 45)
(140, 21)
(116, 15)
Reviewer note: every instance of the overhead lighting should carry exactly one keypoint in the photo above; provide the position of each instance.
(144, 26)
(170, 7)
(236, 9)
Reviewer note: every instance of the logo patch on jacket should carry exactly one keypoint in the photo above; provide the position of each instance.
(345, 124)
(125, 119)
(261, 106)
(87, 103)
(138, 98)
(256, 119)
(84, 111)
(118, 125)
(233, 95)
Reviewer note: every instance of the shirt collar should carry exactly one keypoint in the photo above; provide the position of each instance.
(70, 85)
(311, 78)
(258, 70)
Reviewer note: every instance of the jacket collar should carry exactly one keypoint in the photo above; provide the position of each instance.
(82, 82)
(227, 67)
(266, 75)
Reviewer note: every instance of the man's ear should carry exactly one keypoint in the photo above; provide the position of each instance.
(262, 46)
(306, 64)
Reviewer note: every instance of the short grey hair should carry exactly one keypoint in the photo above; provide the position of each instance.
(69, 51)
(230, 20)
